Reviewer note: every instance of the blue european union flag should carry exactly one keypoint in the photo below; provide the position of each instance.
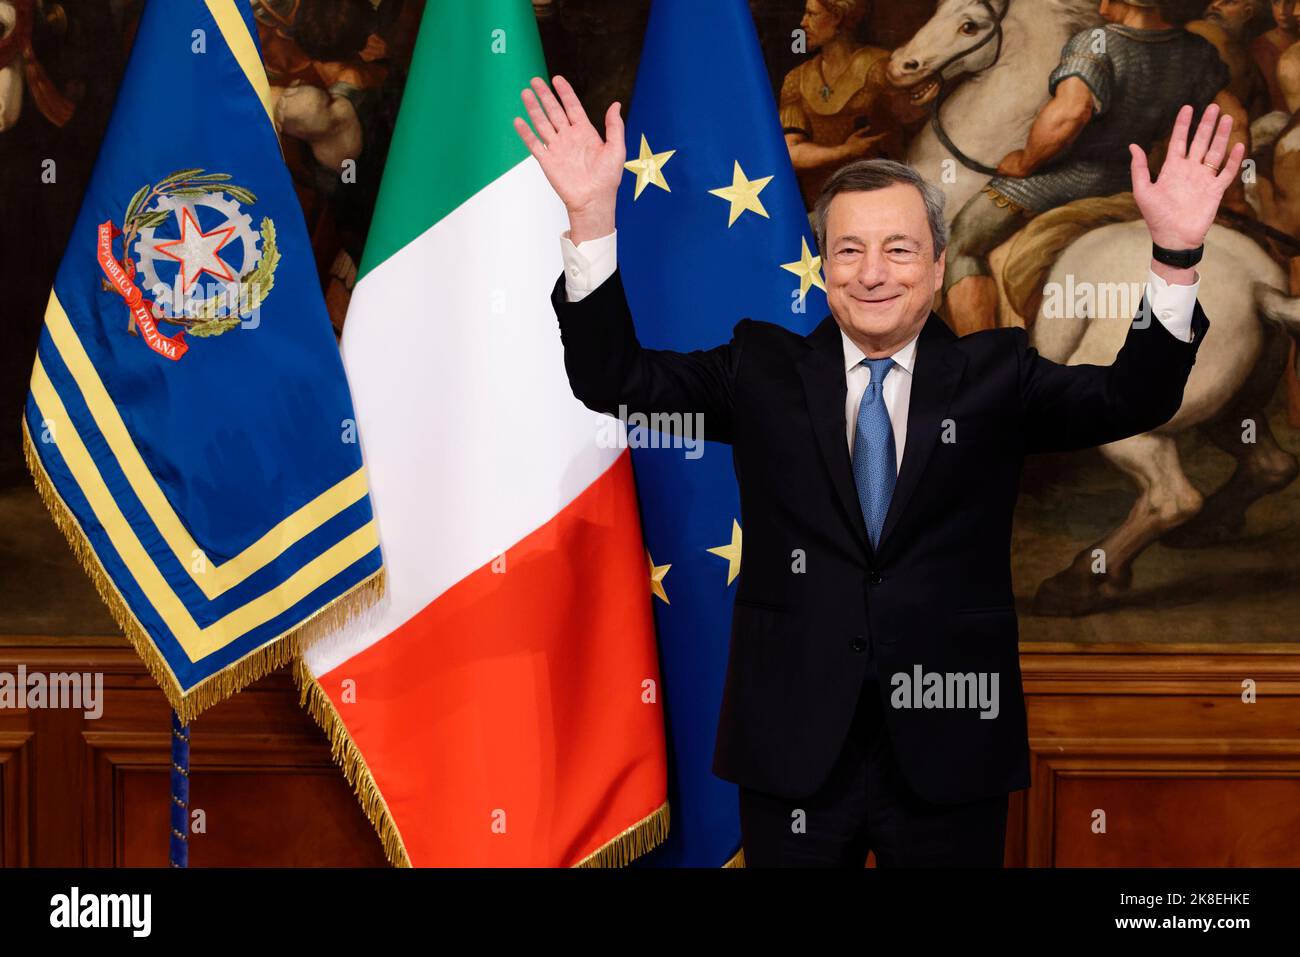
(712, 229)
(189, 424)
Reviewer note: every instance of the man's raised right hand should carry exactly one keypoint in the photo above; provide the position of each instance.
(583, 169)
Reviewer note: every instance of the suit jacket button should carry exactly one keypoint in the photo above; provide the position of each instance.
(858, 643)
(875, 578)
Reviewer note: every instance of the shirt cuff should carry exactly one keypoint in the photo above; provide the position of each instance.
(589, 263)
(1173, 304)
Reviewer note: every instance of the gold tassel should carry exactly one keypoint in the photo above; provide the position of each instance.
(643, 836)
(278, 651)
(348, 756)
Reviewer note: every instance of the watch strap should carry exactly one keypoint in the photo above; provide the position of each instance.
(1178, 258)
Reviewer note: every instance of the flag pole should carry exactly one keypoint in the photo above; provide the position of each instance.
(179, 853)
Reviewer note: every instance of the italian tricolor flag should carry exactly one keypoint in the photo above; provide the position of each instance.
(501, 707)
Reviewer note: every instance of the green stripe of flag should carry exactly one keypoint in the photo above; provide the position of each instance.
(483, 50)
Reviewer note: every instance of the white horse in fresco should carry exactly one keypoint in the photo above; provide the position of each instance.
(1240, 362)
(989, 53)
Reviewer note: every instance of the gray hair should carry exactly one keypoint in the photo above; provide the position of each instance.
(872, 174)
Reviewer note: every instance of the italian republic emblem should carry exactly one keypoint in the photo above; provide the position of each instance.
(186, 228)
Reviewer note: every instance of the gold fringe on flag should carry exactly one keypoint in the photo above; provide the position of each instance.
(620, 850)
(278, 651)
(737, 860)
(645, 835)
(348, 756)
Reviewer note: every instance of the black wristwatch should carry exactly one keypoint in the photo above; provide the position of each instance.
(1178, 258)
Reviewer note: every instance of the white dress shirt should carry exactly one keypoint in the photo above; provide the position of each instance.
(898, 390)
(590, 263)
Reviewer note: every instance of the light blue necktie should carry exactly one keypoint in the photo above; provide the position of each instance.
(874, 465)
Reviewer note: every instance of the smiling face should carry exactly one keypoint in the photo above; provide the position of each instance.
(881, 274)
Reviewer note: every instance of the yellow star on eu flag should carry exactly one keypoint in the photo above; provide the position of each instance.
(649, 168)
(808, 268)
(731, 552)
(657, 573)
(742, 194)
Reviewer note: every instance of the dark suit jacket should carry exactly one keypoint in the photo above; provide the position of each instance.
(937, 592)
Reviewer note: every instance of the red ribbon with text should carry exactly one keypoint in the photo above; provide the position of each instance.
(167, 347)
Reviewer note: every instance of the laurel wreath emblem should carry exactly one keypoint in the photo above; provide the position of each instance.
(254, 285)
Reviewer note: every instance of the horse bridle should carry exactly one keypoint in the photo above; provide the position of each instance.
(945, 91)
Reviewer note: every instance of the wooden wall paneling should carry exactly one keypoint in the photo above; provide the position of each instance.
(1157, 736)
(1161, 741)
(15, 803)
(261, 771)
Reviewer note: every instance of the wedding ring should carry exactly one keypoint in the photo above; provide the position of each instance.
(1210, 165)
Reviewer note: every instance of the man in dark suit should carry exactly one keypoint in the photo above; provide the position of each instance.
(873, 697)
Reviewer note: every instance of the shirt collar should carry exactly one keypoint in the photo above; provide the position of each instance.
(903, 358)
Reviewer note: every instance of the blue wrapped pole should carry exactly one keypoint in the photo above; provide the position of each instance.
(179, 855)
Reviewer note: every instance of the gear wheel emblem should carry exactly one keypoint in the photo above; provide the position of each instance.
(147, 254)
(242, 260)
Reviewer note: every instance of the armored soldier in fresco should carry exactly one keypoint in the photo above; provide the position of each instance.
(1115, 85)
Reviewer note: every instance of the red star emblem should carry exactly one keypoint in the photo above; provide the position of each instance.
(197, 251)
